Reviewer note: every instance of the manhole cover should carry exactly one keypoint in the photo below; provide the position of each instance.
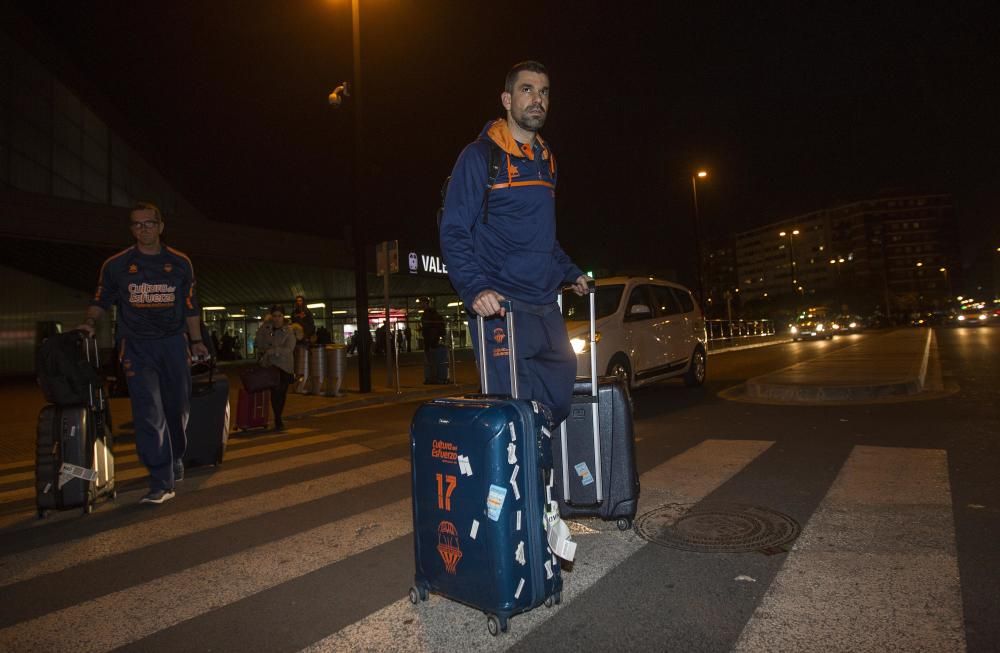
(718, 528)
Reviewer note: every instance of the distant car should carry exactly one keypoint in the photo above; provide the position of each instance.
(844, 324)
(647, 330)
(811, 328)
(971, 317)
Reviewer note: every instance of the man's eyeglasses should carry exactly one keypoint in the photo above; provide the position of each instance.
(145, 224)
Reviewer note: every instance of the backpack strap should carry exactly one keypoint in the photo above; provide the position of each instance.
(494, 172)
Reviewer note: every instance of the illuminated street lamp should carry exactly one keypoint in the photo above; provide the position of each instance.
(791, 256)
(947, 280)
(701, 174)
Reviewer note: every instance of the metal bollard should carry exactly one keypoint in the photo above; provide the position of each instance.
(335, 360)
(316, 372)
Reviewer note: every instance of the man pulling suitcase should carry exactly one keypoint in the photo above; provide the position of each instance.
(158, 318)
(498, 238)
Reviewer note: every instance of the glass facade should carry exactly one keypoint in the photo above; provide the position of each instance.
(234, 327)
(53, 143)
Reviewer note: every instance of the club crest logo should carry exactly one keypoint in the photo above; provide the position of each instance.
(133, 268)
(499, 335)
(414, 263)
(448, 546)
(167, 267)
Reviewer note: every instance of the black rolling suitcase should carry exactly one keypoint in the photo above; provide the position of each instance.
(485, 532)
(74, 455)
(599, 428)
(208, 423)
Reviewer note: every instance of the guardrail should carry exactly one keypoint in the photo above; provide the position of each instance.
(723, 330)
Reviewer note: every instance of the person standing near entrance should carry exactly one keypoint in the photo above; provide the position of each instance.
(276, 347)
(509, 250)
(153, 287)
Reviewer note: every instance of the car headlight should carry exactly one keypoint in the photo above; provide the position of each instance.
(835, 326)
(579, 345)
(819, 327)
(961, 318)
(852, 325)
(795, 329)
(982, 316)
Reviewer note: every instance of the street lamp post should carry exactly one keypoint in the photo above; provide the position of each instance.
(362, 336)
(947, 282)
(701, 174)
(791, 257)
(837, 262)
(916, 276)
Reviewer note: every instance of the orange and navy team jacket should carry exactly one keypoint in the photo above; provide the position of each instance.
(154, 292)
(515, 251)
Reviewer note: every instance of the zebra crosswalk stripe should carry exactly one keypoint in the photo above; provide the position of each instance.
(130, 473)
(876, 567)
(144, 609)
(57, 557)
(440, 624)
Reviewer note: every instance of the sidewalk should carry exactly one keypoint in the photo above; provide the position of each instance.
(886, 365)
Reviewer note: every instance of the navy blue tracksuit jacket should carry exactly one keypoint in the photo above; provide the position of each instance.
(514, 252)
(155, 295)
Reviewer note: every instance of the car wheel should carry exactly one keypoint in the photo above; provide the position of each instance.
(618, 366)
(695, 376)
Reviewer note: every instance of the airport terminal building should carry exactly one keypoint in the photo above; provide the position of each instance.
(70, 170)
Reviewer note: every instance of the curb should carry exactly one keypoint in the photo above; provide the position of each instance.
(364, 402)
(787, 392)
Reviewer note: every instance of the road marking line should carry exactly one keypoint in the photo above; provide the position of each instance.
(876, 567)
(17, 477)
(222, 476)
(387, 441)
(150, 607)
(440, 624)
(19, 463)
(131, 473)
(922, 375)
(23, 566)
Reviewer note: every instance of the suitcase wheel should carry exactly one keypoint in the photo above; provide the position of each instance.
(495, 624)
(624, 523)
(550, 601)
(418, 593)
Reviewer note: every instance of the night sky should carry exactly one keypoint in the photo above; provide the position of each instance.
(791, 109)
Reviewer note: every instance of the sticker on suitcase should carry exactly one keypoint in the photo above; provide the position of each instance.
(449, 546)
(495, 500)
(584, 473)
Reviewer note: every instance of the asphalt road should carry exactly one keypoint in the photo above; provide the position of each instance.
(303, 541)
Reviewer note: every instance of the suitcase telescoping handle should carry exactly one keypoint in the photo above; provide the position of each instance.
(511, 345)
(594, 414)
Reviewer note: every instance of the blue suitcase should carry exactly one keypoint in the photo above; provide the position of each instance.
(483, 477)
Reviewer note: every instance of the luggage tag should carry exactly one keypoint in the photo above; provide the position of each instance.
(68, 472)
(558, 535)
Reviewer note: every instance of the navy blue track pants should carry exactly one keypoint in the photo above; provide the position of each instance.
(546, 364)
(159, 384)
